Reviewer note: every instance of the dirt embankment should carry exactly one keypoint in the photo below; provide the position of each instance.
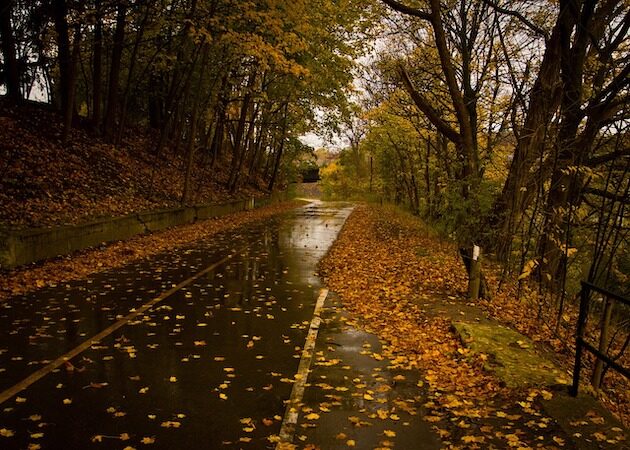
(43, 182)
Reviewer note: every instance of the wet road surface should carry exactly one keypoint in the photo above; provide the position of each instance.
(211, 365)
(361, 397)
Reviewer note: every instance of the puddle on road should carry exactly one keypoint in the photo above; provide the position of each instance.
(211, 364)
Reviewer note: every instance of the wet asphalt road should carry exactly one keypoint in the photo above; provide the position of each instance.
(210, 366)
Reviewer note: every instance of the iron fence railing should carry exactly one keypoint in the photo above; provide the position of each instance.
(581, 344)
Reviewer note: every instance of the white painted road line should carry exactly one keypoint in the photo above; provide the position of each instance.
(287, 431)
(41, 373)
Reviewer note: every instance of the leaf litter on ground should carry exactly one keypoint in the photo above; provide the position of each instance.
(385, 265)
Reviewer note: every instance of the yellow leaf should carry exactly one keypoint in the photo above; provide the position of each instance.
(469, 439)
(558, 440)
(170, 424)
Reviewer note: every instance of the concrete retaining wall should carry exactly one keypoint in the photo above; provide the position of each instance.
(18, 247)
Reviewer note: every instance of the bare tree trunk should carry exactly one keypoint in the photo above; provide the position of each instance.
(238, 147)
(114, 72)
(564, 191)
(519, 188)
(97, 68)
(194, 123)
(132, 65)
(427, 179)
(11, 69)
(191, 155)
(64, 57)
(247, 147)
(68, 113)
(283, 136)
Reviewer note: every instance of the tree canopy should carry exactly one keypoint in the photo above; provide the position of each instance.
(503, 122)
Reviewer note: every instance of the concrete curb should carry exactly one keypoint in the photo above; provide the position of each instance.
(24, 246)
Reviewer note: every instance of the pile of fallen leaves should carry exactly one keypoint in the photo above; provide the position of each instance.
(385, 266)
(43, 182)
(93, 260)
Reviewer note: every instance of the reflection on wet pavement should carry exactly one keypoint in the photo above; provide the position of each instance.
(356, 398)
(211, 365)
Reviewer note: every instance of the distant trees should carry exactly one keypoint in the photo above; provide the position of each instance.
(11, 71)
(221, 78)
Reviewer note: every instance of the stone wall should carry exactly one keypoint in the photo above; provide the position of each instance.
(24, 246)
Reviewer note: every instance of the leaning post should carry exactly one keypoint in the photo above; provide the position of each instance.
(474, 277)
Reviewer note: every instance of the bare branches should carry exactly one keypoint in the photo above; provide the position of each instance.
(602, 159)
(606, 194)
(532, 26)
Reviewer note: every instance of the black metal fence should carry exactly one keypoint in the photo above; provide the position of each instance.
(581, 344)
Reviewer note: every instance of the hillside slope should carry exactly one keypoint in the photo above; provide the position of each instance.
(45, 183)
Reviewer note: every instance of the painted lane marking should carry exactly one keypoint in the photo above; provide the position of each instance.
(39, 374)
(287, 431)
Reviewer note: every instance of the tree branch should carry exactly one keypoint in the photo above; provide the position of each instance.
(601, 159)
(606, 194)
(532, 26)
(616, 84)
(428, 110)
(404, 9)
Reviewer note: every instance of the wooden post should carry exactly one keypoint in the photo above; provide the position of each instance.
(474, 277)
